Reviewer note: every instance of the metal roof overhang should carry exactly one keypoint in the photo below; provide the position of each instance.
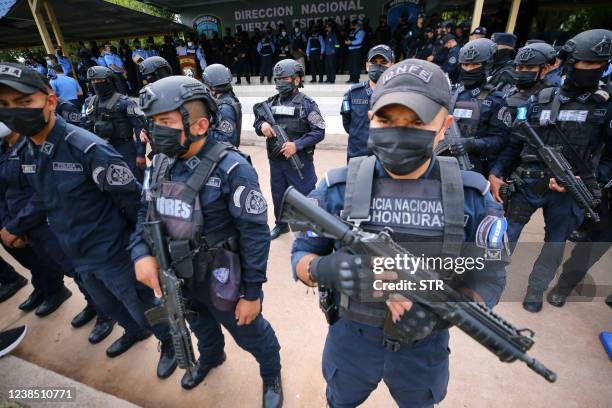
(81, 20)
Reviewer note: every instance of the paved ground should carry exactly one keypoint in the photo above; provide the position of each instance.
(566, 341)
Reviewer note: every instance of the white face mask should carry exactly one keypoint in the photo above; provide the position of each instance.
(190, 44)
(4, 131)
(297, 30)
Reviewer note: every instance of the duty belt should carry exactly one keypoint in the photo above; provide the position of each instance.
(388, 343)
(533, 174)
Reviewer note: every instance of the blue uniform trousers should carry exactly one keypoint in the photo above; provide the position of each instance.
(561, 217)
(258, 338)
(8, 274)
(116, 292)
(282, 175)
(47, 276)
(355, 361)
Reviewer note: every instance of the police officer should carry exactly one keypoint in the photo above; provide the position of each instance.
(229, 125)
(68, 111)
(355, 43)
(225, 218)
(332, 48)
(315, 49)
(479, 32)
(502, 66)
(532, 63)
(575, 119)
(425, 50)
(479, 110)
(27, 237)
(115, 118)
(415, 37)
(10, 281)
(114, 62)
(154, 68)
(299, 115)
(409, 115)
(451, 63)
(356, 102)
(91, 198)
(266, 49)
(598, 239)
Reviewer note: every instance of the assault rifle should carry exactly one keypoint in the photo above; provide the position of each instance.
(172, 309)
(476, 320)
(560, 168)
(452, 135)
(262, 109)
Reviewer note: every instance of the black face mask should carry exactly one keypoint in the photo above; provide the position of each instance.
(25, 121)
(167, 140)
(400, 149)
(104, 89)
(375, 71)
(586, 80)
(474, 78)
(526, 79)
(283, 87)
(503, 55)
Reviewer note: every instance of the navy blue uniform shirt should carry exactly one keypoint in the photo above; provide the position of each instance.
(89, 192)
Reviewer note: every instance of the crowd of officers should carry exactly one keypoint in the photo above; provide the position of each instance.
(77, 196)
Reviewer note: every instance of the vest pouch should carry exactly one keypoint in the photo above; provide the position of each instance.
(225, 279)
(103, 129)
(182, 258)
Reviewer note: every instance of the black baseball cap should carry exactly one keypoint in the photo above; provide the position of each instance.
(383, 50)
(21, 78)
(479, 31)
(416, 84)
(448, 37)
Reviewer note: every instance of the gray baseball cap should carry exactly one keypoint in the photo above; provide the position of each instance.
(416, 84)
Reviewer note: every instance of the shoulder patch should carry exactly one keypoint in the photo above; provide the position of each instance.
(80, 141)
(336, 176)
(475, 180)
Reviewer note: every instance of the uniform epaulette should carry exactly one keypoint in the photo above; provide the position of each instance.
(80, 141)
(475, 180)
(336, 176)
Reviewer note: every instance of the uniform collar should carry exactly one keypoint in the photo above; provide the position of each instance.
(49, 146)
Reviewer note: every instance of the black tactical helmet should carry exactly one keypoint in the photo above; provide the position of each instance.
(99, 72)
(477, 51)
(592, 45)
(539, 53)
(218, 77)
(170, 94)
(288, 67)
(154, 68)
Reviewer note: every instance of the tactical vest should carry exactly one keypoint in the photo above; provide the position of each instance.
(289, 117)
(177, 203)
(315, 46)
(231, 100)
(468, 113)
(193, 255)
(567, 124)
(266, 48)
(109, 123)
(425, 215)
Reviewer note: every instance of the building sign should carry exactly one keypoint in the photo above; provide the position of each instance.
(275, 12)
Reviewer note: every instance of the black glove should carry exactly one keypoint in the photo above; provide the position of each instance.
(344, 272)
(465, 145)
(417, 323)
